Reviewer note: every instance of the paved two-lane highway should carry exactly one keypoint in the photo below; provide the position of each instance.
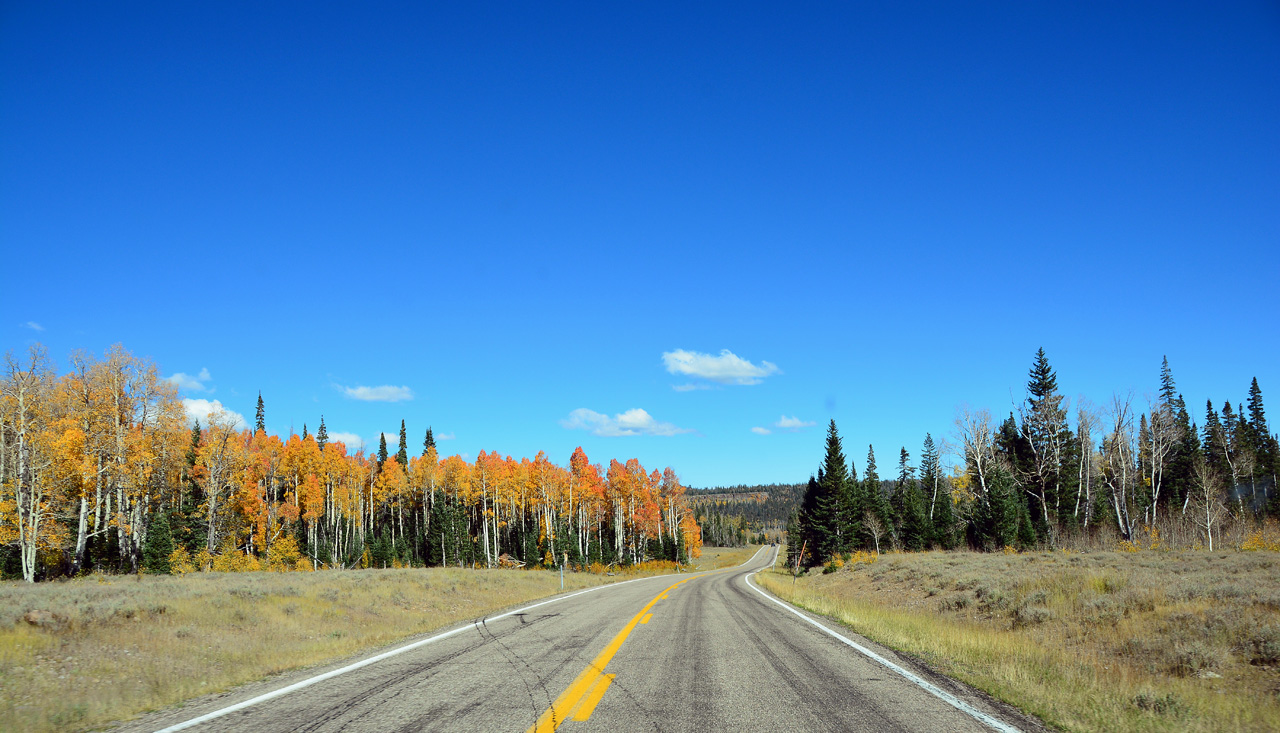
(697, 652)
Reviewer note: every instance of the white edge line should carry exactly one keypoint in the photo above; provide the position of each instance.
(924, 684)
(399, 650)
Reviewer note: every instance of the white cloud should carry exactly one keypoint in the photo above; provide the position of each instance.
(631, 422)
(727, 368)
(351, 440)
(792, 423)
(689, 387)
(189, 383)
(445, 436)
(383, 393)
(33, 326)
(761, 431)
(202, 409)
(393, 441)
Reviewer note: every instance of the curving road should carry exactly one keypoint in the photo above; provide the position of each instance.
(697, 652)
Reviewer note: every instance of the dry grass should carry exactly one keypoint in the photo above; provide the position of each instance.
(1185, 641)
(122, 645)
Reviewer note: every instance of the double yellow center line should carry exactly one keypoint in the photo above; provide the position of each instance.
(579, 699)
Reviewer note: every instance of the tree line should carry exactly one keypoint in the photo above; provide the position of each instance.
(1042, 477)
(735, 515)
(101, 470)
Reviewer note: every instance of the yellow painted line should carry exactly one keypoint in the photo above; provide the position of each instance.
(597, 691)
(587, 680)
(646, 618)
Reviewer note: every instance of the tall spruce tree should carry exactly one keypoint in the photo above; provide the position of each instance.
(1045, 432)
(260, 420)
(402, 455)
(304, 431)
(1168, 388)
(428, 442)
(382, 449)
(159, 544)
(322, 435)
(1214, 441)
(835, 490)
(876, 502)
(938, 490)
(914, 530)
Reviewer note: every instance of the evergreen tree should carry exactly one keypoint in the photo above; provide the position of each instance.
(1213, 441)
(1044, 432)
(1168, 389)
(877, 504)
(322, 435)
(402, 455)
(304, 431)
(915, 529)
(382, 449)
(1257, 416)
(158, 546)
(190, 529)
(429, 442)
(260, 421)
(1186, 446)
(816, 530)
(938, 493)
(793, 539)
(835, 490)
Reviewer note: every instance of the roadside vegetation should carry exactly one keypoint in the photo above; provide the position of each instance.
(1137, 640)
(80, 653)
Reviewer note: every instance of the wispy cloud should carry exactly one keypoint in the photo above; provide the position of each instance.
(383, 393)
(792, 423)
(632, 422)
(761, 431)
(350, 440)
(202, 409)
(189, 383)
(689, 387)
(33, 326)
(445, 436)
(727, 368)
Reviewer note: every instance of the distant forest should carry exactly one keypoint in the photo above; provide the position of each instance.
(1042, 478)
(731, 516)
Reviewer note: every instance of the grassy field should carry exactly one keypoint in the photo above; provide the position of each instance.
(1104, 641)
(110, 647)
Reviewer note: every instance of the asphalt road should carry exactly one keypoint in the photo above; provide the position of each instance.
(695, 652)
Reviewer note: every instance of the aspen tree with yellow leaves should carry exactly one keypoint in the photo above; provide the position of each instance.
(89, 461)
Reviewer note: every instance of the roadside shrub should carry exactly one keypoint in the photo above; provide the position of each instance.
(1193, 658)
(1264, 645)
(1159, 704)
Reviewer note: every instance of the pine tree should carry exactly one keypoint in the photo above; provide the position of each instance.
(915, 530)
(429, 442)
(158, 546)
(816, 533)
(382, 449)
(190, 519)
(304, 431)
(322, 435)
(1168, 389)
(794, 542)
(1213, 441)
(938, 492)
(876, 502)
(1257, 416)
(1182, 461)
(402, 455)
(1045, 431)
(260, 421)
(835, 490)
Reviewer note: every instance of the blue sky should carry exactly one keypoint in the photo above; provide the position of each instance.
(537, 219)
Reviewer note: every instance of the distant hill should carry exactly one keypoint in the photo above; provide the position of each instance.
(734, 515)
